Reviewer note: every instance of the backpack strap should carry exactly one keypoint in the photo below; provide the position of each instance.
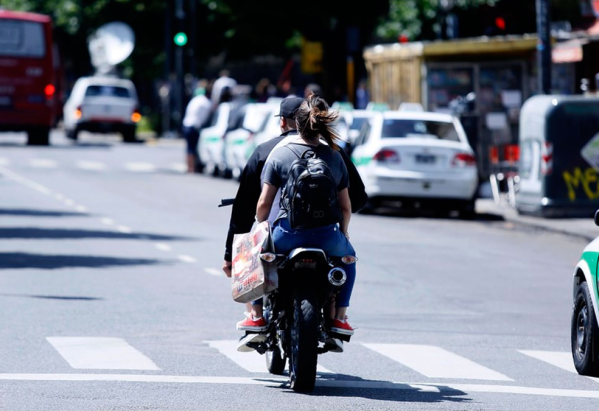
(309, 153)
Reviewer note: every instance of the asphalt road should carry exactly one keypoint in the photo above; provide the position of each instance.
(112, 298)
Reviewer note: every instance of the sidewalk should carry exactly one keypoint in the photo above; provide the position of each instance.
(579, 227)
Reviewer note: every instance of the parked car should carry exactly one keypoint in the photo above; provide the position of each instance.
(102, 105)
(242, 130)
(212, 137)
(359, 118)
(584, 327)
(417, 158)
(269, 129)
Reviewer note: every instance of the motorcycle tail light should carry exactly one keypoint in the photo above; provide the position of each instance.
(349, 259)
(268, 257)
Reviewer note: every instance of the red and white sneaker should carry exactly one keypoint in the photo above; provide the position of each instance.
(252, 324)
(341, 327)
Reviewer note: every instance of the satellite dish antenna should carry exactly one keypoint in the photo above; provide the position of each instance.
(109, 45)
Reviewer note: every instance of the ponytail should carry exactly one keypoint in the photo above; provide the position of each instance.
(314, 119)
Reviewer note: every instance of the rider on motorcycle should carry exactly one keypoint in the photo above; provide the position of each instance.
(314, 124)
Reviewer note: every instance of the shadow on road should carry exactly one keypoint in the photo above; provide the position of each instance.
(63, 234)
(24, 212)
(53, 262)
(341, 385)
(83, 146)
(432, 214)
(52, 297)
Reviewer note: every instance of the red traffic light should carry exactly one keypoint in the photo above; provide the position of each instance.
(500, 23)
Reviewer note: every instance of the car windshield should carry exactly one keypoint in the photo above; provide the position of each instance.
(110, 91)
(22, 39)
(357, 123)
(407, 128)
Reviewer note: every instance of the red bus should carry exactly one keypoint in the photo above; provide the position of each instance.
(29, 67)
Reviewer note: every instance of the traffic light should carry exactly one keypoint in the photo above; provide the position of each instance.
(180, 39)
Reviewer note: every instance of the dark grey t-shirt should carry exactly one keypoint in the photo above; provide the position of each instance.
(279, 161)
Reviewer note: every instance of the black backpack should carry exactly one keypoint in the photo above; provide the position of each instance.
(310, 195)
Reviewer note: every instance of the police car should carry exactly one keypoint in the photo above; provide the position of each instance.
(417, 158)
(584, 327)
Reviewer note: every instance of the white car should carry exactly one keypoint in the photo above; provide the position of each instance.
(269, 129)
(359, 118)
(102, 105)
(417, 158)
(211, 144)
(238, 140)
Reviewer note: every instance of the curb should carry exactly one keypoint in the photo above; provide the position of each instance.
(582, 228)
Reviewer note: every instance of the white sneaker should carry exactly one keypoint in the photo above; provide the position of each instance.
(249, 338)
(334, 345)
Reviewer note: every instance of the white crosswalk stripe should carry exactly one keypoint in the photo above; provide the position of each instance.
(96, 353)
(435, 362)
(91, 165)
(42, 163)
(252, 361)
(179, 167)
(140, 167)
(102, 353)
(560, 359)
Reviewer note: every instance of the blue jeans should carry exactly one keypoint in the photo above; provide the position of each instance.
(328, 238)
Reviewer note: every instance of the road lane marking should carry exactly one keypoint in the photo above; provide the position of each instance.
(101, 353)
(59, 197)
(107, 221)
(432, 388)
(4, 161)
(81, 209)
(249, 361)
(179, 167)
(435, 362)
(124, 229)
(560, 359)
(42, 163)
(163, 247)
(214, 272)
(91, 165)
(25, 181)
(140, 167)
(187, 258)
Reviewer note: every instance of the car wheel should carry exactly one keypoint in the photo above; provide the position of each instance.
(38, 137)
(73, 134)
(584, 333)
(129, 136)
(468, 211)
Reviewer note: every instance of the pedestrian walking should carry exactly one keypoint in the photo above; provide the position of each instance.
(197, 115)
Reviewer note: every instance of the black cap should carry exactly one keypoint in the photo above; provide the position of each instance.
(289, 106)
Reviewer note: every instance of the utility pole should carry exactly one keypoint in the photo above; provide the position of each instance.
(180, 90)
(192, 37)
(544, 47)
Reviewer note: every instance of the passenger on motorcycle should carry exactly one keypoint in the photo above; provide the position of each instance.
(314, 123)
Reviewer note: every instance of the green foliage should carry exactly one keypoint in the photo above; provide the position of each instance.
(417, 19)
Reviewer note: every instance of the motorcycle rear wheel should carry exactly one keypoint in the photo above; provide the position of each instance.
(304, 341)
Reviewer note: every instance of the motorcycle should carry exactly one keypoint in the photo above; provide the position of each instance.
(297, 313)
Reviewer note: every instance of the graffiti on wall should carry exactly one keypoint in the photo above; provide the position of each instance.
(582, 181)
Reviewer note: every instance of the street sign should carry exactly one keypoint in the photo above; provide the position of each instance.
(590, 152)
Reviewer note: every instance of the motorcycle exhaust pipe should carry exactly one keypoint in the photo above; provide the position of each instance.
(337, 277)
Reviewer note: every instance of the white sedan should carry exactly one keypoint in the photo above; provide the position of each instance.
(417, 158)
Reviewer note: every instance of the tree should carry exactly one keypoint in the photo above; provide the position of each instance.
(420, 19)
